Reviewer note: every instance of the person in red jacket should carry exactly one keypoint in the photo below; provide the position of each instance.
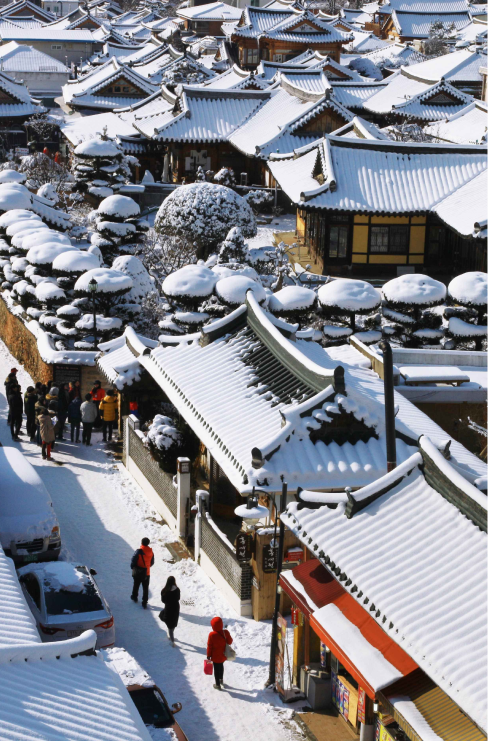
(98, 393)
(141, 563)
(218, 638)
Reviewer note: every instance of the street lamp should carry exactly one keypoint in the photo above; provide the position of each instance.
(274, 628)
(93, 288)
(252, 511)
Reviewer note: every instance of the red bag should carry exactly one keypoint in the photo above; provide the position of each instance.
(207, 666)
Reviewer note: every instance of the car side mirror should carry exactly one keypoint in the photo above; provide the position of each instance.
(93, 572)
(176, 707)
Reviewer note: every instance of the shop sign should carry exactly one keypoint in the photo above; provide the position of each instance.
(295, 616)
(255, 584)
(66, 373)
(362, 705)
(280, 654)
(381, 734)
(270, 559)
(294, 555)
(243, 546)
(340, 696)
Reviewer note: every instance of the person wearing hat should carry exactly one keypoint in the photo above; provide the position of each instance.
(10, 381)
(97, 394)
(16, 408)
(30, 399)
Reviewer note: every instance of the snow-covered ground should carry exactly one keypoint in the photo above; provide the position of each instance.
(103, 515)
(264, 237)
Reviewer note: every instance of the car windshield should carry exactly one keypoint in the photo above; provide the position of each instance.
(152, 708)
(65, 598)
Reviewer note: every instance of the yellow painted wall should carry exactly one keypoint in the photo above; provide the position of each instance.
(417, 219)
(389, 220)
(360, 239)
(416, 259)
(359, 258)
(300, 226)
(360, 219)
(388, 259)
(417, 240)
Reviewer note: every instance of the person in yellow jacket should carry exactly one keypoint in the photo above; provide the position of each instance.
(108, 413)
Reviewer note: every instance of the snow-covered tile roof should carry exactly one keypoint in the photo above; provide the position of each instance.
(234, 78)
(20, 58)
(217, 11)
(286, 26)
(399, 88)
(417, 25)
(468, 126)
(428, 6)
(86, 90)
(366, 42)
(466, 207)
(459, 66)
(81, 129)
(414, 177)
(205, 115)
(419, 565)
(353, 95)
(118, 362)
(396, 52)
(17, 626)
(434, 103)
(78, 699)
(24, 104)
(46, 33)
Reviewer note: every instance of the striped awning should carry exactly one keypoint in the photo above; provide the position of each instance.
(417, 703)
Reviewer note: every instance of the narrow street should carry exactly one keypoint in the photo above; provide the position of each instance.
(103, 515)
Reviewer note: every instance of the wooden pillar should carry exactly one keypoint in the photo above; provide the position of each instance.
(298, 652)
(306, 657)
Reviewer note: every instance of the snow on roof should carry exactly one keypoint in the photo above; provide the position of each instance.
(23, 105)
(118, 362)
(396, 52)
(458, 66)
(433, 103)
(464, 210)
(353, 95)
(409, 552)
(286, 26)
(204, 115)
(428, 6)
(15, 57)
(89, 90)
(88, 127)
(17, 626)
(78, 698)
(467, 126)
(211, 12)
(234, 77)
(46, 33)
(350, 167)
(399, 89)
(366, 42)
(417, 25)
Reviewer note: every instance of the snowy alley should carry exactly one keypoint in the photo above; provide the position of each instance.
(103, 516)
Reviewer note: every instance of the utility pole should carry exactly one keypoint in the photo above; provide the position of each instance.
(389, 405)
(93, 287)
(272, 654)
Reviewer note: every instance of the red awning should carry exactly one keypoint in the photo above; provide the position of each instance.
(311, 586)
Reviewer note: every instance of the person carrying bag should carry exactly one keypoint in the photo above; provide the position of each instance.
(218, 645)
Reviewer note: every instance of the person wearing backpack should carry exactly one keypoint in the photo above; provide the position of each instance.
(218, 640)
(141, 563)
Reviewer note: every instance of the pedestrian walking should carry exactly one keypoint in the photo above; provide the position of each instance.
(47, 433)
(98, 393)
(15, 409)
(141, 563)
(30, 400)
(170, 614)
(41, 403)
(108, 414)
(88, 416)
(41, 390)
(218, 640)
(74, 418)
(10, 381)
(63, 403)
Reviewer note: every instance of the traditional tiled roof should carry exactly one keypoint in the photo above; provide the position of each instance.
(468, 126)
(29, 10)
(434, 103)
(236, 78)
(81, 129)
(285, 26)
(86, 91)
(417, 25)
(17, 626)
(379, 176)
(366, 42)
(354, 95)
(46, 33)
(458, 67)
(428, 6)
(396, 52)
(217, 11)
(23, 104)
(465, 209)
(20, 58)
(417, 562)
(399, 88)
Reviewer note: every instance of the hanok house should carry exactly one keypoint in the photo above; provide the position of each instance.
(368, 206)
(383, 590)
(461, 69)
(16, 105)
(437, 102)
(206, 20)
(65, 45)
(26, 11)
(265, 405)
(238, 128)
(113, 85)
(412, 25)
(279, 36)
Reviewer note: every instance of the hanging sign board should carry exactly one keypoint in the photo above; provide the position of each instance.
(243, 546)
(280, 654)
(362, 705)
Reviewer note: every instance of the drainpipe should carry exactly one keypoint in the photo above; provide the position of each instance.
(274, 628)
(389, 405)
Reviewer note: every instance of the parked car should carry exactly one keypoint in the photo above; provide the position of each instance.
(29, 528)
(146, 695)
(65, 601)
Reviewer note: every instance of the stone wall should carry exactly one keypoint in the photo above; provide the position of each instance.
(23, 345)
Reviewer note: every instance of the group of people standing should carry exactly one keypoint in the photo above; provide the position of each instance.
(47, 408)
(218, 639)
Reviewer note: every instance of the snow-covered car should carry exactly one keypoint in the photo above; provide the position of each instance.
(65, 600)
(29, 528)
(146, 695)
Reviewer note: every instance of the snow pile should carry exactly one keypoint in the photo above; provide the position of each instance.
(349, 295)
(414, 289)
(49, 192)
(108, 281)
(104, 323)
(126, 666)
(47, 291)
(60, 576)
(162, 433)
(194, 281)
(460, 328)
(469, 289)
(119, 207)
(12, 176)
(75, 261)
(290, 299)
(141, 280)
(232, 290)
(97, 148)
(46, 253)
(14, 196)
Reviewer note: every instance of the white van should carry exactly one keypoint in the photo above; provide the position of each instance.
(29, 528)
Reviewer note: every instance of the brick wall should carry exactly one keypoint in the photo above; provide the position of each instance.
(238, 577)
(161, 481)
(23, 345)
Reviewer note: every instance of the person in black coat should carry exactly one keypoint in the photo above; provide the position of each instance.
(15, 409)
(170, 597)
(30, 400)
(62, 411)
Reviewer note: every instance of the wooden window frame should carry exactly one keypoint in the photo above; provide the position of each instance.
(388, 251)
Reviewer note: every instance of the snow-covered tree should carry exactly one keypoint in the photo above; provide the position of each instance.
(225, 176)
(342, 301)
(407, 132)
(234, 247)
(69, 266)
(293, 303)
(202, 214)
(435, 45)
(41, 171)
(118, 227)
(108, 300)
(100, 167)
(408, 303)
(185, 71)
(470, 291)
(259, 199)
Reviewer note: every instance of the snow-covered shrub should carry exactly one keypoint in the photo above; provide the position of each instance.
(232, 290)
(12, 176)
(169, 438)
(203, 214)
(68, 266)
(342, 300)
(469, 290)
(408, 300)
(225, 176)
(294, 303)
(189, 286)
(117, 221)
(14, 196)
(68, 315)
(109, 300)
(142, 284)
(234, 247)
(100, 167)
(43, 256)
(259, 199)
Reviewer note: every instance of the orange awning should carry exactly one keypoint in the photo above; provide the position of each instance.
(311, 586)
